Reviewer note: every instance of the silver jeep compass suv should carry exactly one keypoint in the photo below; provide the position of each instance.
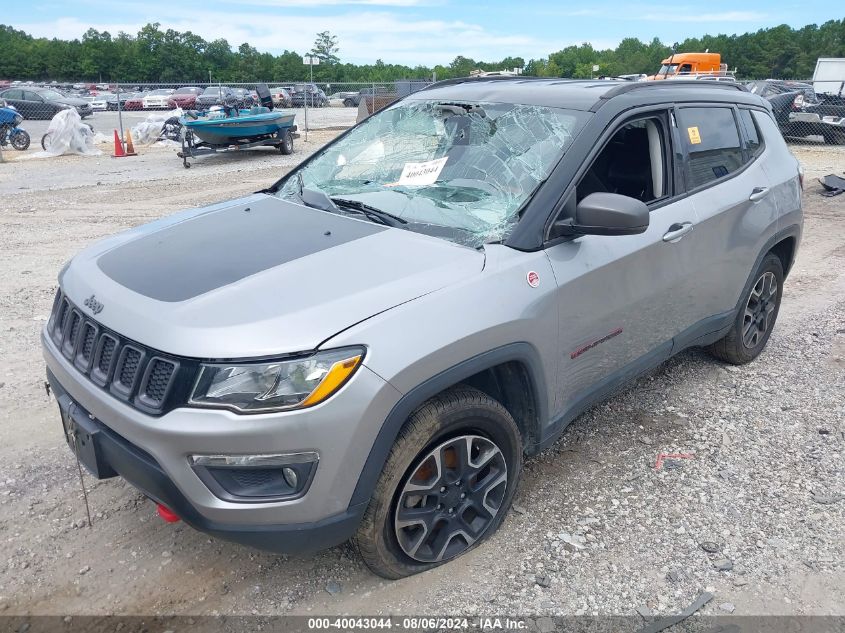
(369, 347)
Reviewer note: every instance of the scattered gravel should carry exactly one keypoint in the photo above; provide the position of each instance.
(596, 529)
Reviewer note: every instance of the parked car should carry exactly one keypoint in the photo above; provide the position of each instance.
(158, 99)
(308, 93)
(43, 103)
(437, 313)
(342, 99)
(800, 111)
(214, 95)
(135, 101)
(101, 102)
(185, 98)
(245, 97)
(354, 99)
(281, 97)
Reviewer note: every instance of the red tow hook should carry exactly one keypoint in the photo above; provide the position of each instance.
(167, 514)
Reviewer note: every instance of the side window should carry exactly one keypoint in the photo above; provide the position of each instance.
(28, 95)
(712, 141)
(13, 94)
(685, 69)
(633, 163)
(754, 144)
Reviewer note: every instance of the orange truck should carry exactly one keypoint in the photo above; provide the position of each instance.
(691, 65)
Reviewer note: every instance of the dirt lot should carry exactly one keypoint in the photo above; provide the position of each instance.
(765, 486)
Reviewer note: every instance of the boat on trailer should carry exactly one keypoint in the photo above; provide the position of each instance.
(232, 129)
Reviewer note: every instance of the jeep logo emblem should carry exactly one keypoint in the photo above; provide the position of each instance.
(92, 303)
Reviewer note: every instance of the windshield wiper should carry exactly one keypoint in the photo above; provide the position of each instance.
(371, 213)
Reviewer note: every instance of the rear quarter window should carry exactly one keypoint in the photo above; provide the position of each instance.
(712, 142)
(754, 140)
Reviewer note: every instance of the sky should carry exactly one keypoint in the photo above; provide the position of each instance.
(414, 32)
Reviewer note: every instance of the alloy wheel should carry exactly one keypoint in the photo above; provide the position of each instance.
(451, 498)
(759, 309)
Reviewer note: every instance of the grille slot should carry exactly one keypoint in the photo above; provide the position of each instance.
(157, 381)
(85, 348)
(130, 371)
(74, 324)
(127, 370)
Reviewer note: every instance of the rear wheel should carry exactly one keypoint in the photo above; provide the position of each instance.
(20, 140)
(349, 103)
(286, 146)
(756, 319)
(45, 142)
(446, 486)
(831, 138)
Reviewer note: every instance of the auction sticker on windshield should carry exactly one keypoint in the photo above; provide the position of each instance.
(425, 173)
(694, 135)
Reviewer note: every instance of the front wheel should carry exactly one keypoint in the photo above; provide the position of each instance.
(757, 315)
(446, 486)
(45, 142)
(20, 140)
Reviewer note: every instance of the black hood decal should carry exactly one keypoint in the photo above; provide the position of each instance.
(215, 249)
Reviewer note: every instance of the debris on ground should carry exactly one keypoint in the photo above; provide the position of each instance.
(664, 623)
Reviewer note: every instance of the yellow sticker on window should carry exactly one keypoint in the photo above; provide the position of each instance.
(694, 136)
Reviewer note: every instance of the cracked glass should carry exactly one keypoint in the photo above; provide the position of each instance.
(459, 171)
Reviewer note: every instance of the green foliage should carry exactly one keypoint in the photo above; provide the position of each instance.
(153, 55)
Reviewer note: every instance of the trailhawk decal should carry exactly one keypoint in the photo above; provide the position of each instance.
(589, 346)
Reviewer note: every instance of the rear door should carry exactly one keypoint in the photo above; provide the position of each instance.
(733, 199)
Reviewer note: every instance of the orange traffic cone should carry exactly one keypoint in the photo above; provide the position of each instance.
(118, 147)
(130, 149)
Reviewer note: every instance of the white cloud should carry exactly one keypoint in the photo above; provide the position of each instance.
(363, 36)
(724, 16)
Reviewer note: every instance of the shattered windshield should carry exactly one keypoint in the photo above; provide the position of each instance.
(461, 171)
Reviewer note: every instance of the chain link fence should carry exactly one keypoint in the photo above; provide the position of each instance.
(802, 113)
(317, 105)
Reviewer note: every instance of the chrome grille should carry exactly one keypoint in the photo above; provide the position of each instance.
(128, 370)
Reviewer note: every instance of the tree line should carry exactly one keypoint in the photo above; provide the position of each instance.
(156, 55)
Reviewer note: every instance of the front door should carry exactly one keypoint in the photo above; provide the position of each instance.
(622, 299)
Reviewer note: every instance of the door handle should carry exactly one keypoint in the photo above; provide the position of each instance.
(677, 231)
(758, 193)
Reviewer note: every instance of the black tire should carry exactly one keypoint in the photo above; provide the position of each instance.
(348, 103)
(45, 142)
(20, 141)
(831, 138)
(756, 318)
(286, 146)
(458, 414)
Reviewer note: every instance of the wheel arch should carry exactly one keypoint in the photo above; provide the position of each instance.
(785, 250)
(512, 374)
(784, 244)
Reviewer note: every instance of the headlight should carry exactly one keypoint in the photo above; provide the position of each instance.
(278, 385)
(18, 120)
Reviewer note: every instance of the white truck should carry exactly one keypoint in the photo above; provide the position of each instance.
(829, 76)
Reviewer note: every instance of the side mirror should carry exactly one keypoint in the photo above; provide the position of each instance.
(605, 214)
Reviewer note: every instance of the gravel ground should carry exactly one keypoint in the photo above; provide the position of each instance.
(755, 515)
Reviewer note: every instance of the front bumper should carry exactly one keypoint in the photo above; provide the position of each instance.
(153, 454)
(117, 456)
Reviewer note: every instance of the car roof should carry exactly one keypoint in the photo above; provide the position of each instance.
(586, 94)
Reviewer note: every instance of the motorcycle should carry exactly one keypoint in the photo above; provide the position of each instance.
(10, 133)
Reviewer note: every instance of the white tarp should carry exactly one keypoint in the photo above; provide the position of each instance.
(149, 130)
(67, 134)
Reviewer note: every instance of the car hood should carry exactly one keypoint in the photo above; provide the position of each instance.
(258, 276)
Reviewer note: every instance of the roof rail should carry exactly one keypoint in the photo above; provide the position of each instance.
(460, 80)
(671, 83)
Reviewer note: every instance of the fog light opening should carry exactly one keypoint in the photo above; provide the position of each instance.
(291, 478)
